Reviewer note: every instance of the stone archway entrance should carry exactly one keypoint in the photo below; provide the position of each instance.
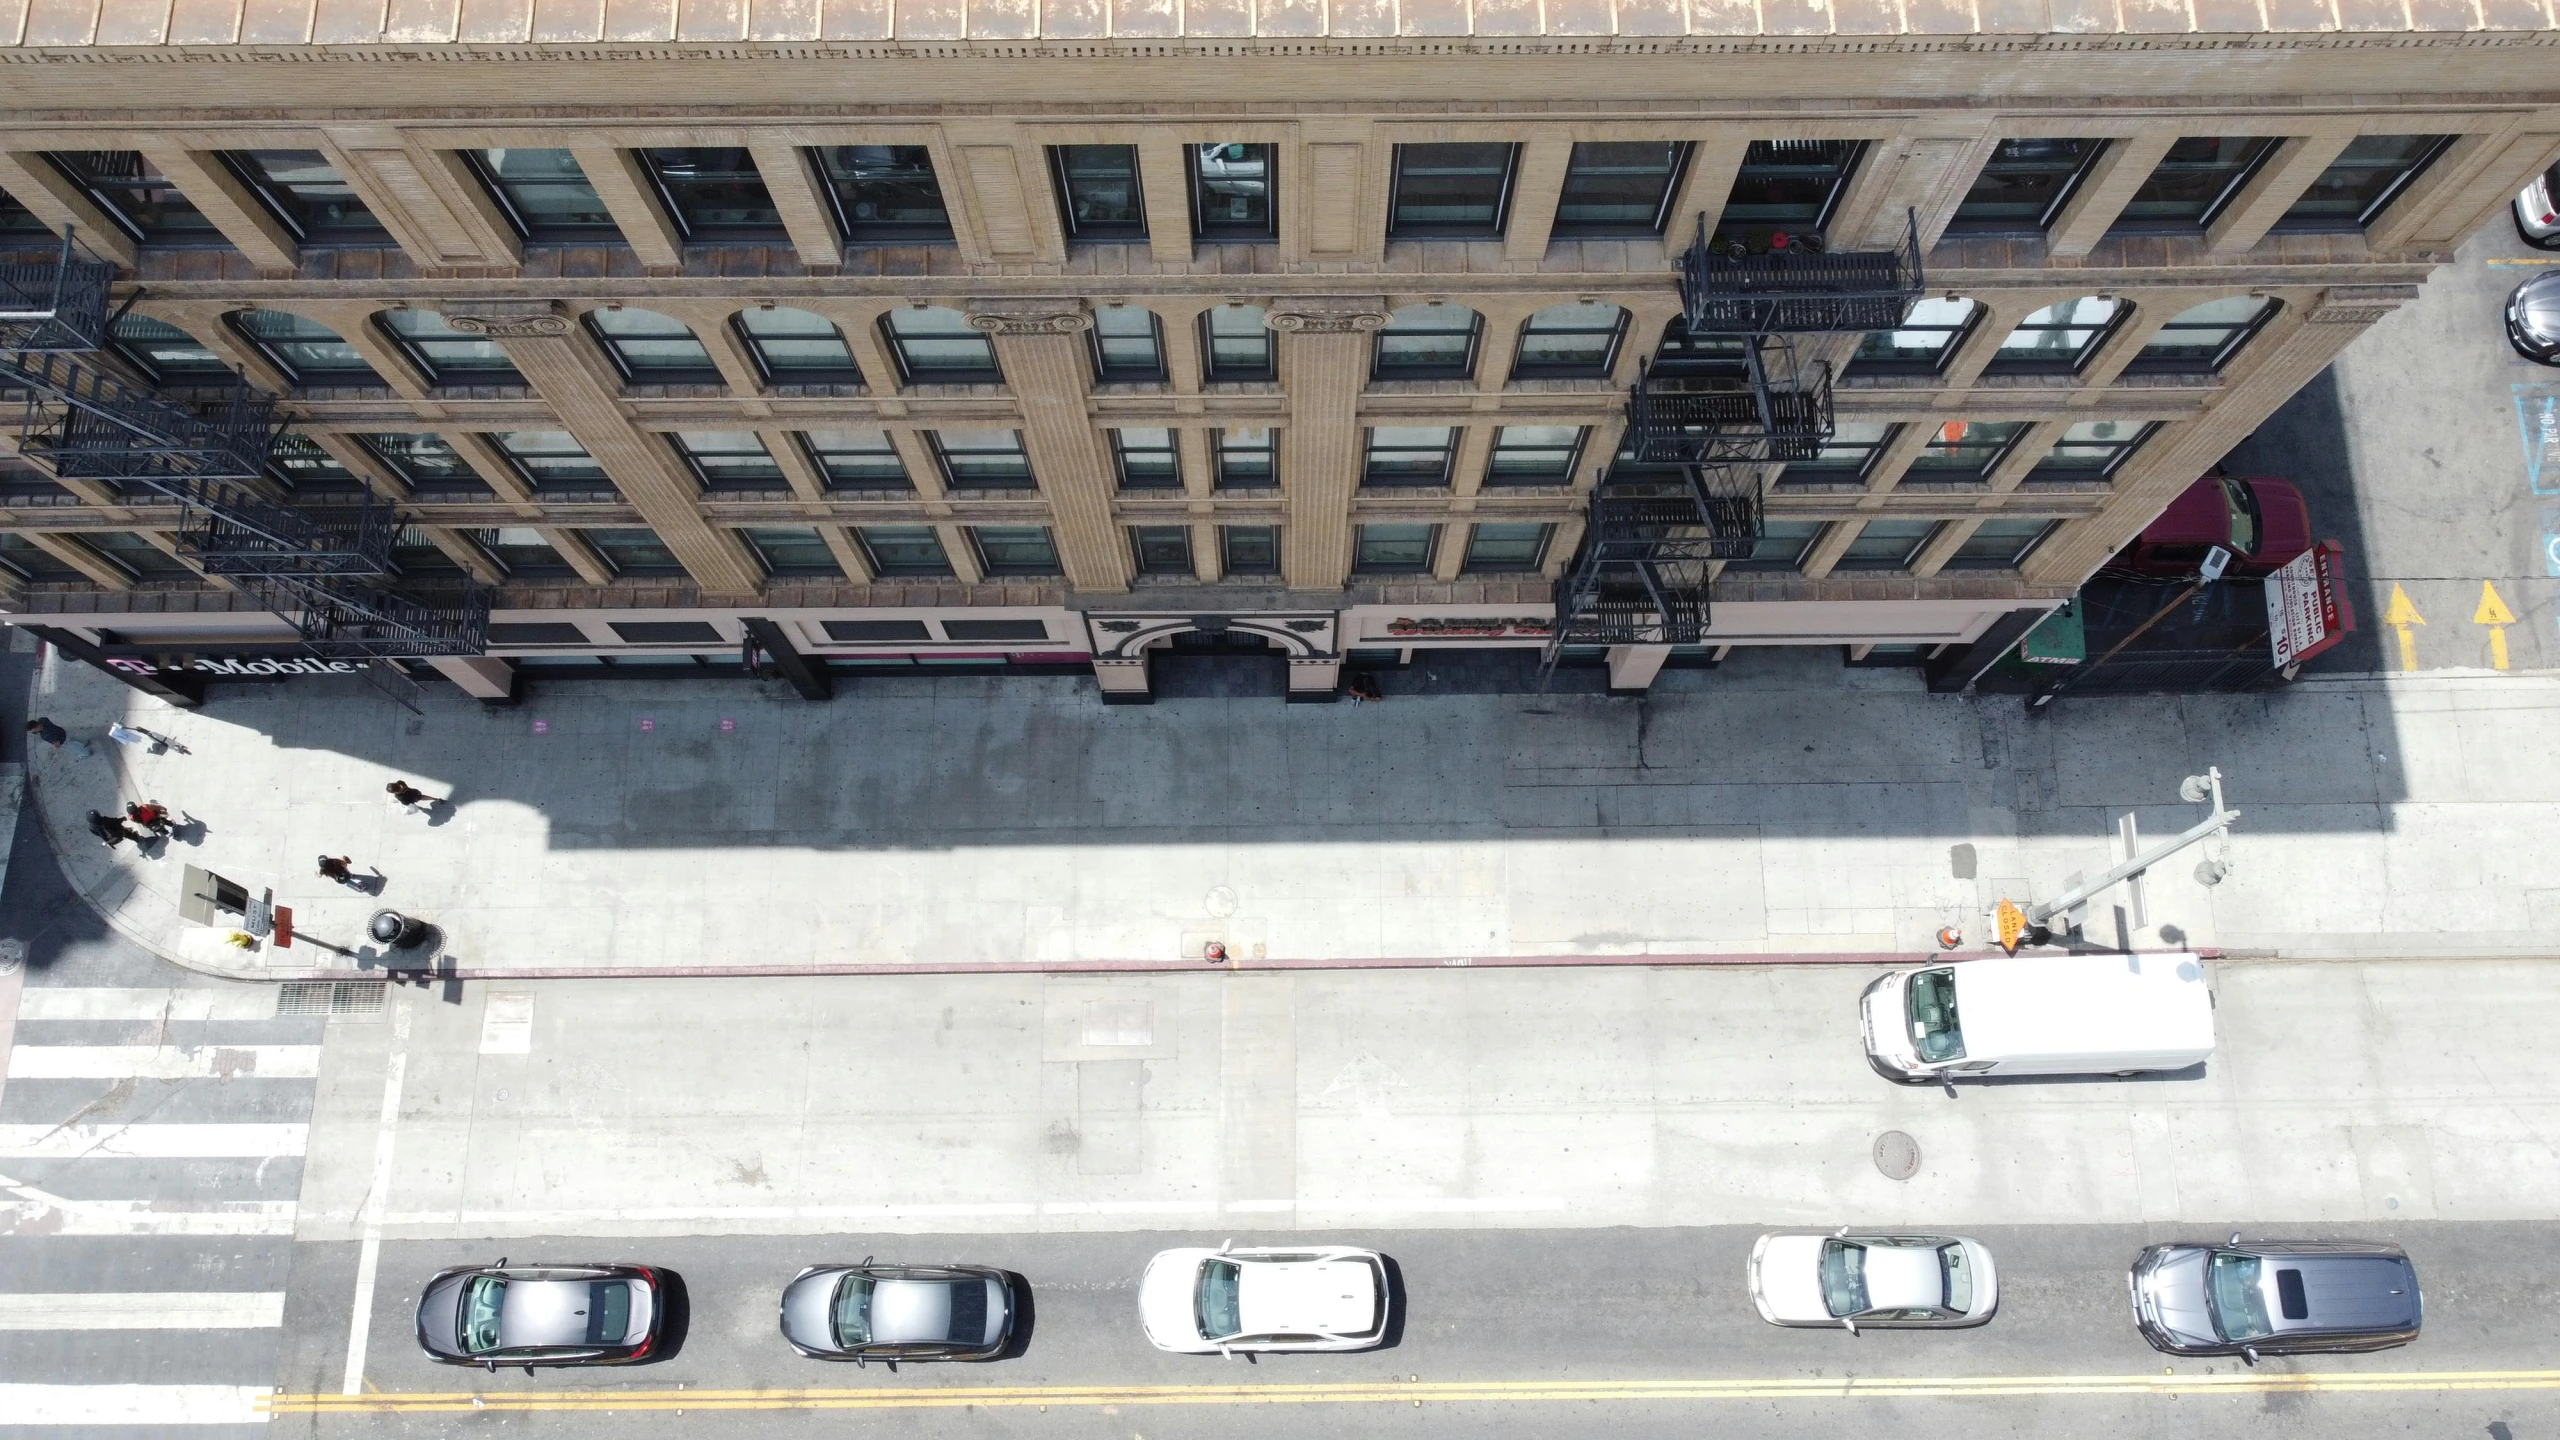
(1123, 643)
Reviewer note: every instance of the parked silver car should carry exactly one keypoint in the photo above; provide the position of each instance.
(1850, 1282)
(2275, 1297)
(2537, 211)
(529, 1315)
(898, 1312)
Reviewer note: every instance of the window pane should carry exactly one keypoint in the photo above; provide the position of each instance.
(2195, 180)
(1098, 191)
(885, 192)
(2362, 180)
(1886, 544)
(1923, 341)
(731, 460)
(1684, 354)
(859, 459)
(1248, 459)
(20, 557)
(1147, 458)
(307, 350)
(138, 555)
(1573, 339)
(2058, 337)
(713, 191)
(2092, 449)
(896, 550)
(1999, 544)
(553, 458)
(309, 194)
(1534, 455)
(545, 194)
(17, 219)
(1506, 546)
(794, 551)
(1396, 548)
(1451, 190)
(449, 356)
(1125, 344)
(634, 552)
(523, 553)
(2203, 339)
(982, 459)
(165, 352)
(1963, 449)
(1250, 549)
(1408, 455)
(140, 198)
(1619, 187)
(298, 461)
(797, 347)
(426, 460)
(1427, 342)
(1844, 458)
(1231, 189)
(1239, 345)
(935, 345)
(1162, 549)
(1015, 549)
(1786, 185)
(652, 346)
(2024, 185)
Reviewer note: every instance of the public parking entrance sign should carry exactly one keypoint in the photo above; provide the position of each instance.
(2306, 610)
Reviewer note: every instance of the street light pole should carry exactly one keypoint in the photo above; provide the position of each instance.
(2196, 788)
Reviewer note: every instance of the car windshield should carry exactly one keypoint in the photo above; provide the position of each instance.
(2239, 1311)
(853, 1311)
(483, 1297)
(2244, 515)
(1935, 1031)
(1959, 1276)
(1220, 1312)
(1844, 1277)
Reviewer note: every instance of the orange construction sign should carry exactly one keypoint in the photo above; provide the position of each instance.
(2011, 925)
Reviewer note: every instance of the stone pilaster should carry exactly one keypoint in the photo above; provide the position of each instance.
(1042, 347)
(1324, 360)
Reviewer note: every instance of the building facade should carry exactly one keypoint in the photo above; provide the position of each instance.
(894, 335)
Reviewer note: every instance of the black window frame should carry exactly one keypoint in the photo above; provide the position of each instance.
(326, 473)
(2237, 178)
(1105, 371)
(712, 481)
(362, 376)
(1222, 469)
(1380, 372)
(818, 453)
(773, 373)
(1505, 185)
(869, 538)
(854, 230)
(2046, 472)
(1077, 231)
(1206, 231)
(1920, 471)
(942, 454)
(2145, 363)
(1816, 474)
(1142, 536)
(1764, 163)
(1572, 452)
(437, 375)
(2074, 173)
(706, 373)
(1959, 560)
(1373, 478)
(503, 192)
(303, 218)
(86, 169)
(1471, 565)
(1677, 170)
(461, 476)
(1170, 477)
(2294, 223)
(1362, 565)
(629, 555)
(1231, 536)
(910, 373)
(689, 227)
(214, 371)
(1522, 369)
(1861, 363)
(1851, 559)
(794, 570)
(1215, 373)
(580, 486)
(2100, 334)
(525, 564)
(993, 569)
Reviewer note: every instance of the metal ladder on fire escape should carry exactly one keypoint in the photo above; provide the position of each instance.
(326, 568)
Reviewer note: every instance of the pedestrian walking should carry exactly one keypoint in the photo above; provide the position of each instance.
(410, 796)
(45, 730)
(151, 815)
(110, 831)
(339, 868)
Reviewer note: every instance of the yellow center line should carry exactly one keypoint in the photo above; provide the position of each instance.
(1442, 1391)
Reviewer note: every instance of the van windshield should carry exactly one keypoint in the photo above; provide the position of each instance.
(1935, 1032)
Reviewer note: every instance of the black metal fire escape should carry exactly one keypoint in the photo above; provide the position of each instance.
(1685, 491)
(327, 567)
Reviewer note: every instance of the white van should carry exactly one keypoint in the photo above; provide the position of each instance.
(2039, 1015)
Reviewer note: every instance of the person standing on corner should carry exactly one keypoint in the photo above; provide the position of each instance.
(339, 868)
(43, 728)
(110, 831)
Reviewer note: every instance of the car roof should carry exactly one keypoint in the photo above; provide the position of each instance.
(542, 1313)
(2342, 1291)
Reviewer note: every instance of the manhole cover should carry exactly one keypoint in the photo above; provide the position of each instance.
(13, 953)
(1221, 902)
(1897, 1155)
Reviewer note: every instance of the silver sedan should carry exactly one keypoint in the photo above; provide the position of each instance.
(1850, 1282)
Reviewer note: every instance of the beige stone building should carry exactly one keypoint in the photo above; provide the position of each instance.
(1045, 332)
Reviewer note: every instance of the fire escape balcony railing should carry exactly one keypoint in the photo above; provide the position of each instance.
(1773, 410)
(246, 537)
(340, 618)
(1799, 291)
(57, 306)
(91, 425)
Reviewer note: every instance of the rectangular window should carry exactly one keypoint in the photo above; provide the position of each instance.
(713, 192)
(2363, 181)
(1237, 345)
(903, 551)
(1427, 342)
(1457, 191)
(884, 194)
(415, 557)
(302, 189)
(146, 204)
(981, 459)
(2060, 338)
(732, 461)
(1147, 458)
(1231, 194)
(553, 460)
(1620, 187)
(859, 459)
(2024, 186)
(1162, 549)
(1098, 192)
(1844, 459)
(2202, 339)
(1395, 549)
(1535, 454)
(544, 194)
(636, 553)
(2000, 544)
(169, 355)
(1408, 456)
(1921, 344)
(298, 462)
(1497, 546)
(650, 348)
(1965, 450)
(17, 219)
(1247, 459)
(1789, 185)
(982, 630)
(1014, 549)
(20, 557)
(525, 555)
(793, 551)
(448, 356)
(2091, 451)
(308, 352)
(1578, 339)
(877, 631)
(1128, 345)
(2195, 181)
(797, 347)
(146, 560)
(428, 462)
(1886, 544)
(935, 345)
(665, 632)
(1249, 549)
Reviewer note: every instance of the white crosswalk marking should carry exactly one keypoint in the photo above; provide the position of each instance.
(163, 1062)
(232, 1002)
(130, 1405)
(172, 1310)
(151, 1142)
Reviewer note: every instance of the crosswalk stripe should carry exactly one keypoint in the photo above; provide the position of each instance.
(131, 1405)
(71, 1002)
(164, 1062)
(144, 1310)
(39, 1212)
(151, 1142)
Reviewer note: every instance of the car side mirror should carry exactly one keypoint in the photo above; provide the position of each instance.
(1225, 1354)
(859, 1362)
(867, 1259)
(528, 1369)
(1226, 1245)
(1842, 1231)
(501, 1265)
(2235, 1237)
(1849, 1325)
(2249, 1353)
(489, 1365)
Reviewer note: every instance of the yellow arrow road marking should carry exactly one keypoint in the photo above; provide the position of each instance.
(2400, 616)
(2493, 612)
(1445, 1392)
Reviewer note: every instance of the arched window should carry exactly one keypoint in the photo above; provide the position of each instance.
(1577, 339)
(1128, 344)
(935, 346)
(1236, 344)
(2201, 339)
(2060, 338)
(1427, 342)
(448, 356)
(1921, 344)
(652, 349)
(308, 352)
(795, 347)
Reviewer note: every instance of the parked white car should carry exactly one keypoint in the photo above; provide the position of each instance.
(2538, 211)
(1850, 1282)
(1226, 1300)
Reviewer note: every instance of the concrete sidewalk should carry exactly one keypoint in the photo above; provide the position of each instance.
(1779, 806)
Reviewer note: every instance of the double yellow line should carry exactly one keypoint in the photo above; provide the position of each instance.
(1420, 1391)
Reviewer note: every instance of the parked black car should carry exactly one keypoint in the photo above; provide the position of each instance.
(2533, 319)
(2275, 1297)
(529, 1315)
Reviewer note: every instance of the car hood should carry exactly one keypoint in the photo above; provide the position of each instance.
(808, 1306)
(439, 1317)
(1165, 1296)
(2172, 1291)
(1786, 1278)
(1329, 1296)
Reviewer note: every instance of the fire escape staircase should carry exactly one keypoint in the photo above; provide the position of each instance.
(1685, 494)
(327, 567)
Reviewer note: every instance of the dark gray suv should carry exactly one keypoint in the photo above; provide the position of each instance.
(2275, 1297)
